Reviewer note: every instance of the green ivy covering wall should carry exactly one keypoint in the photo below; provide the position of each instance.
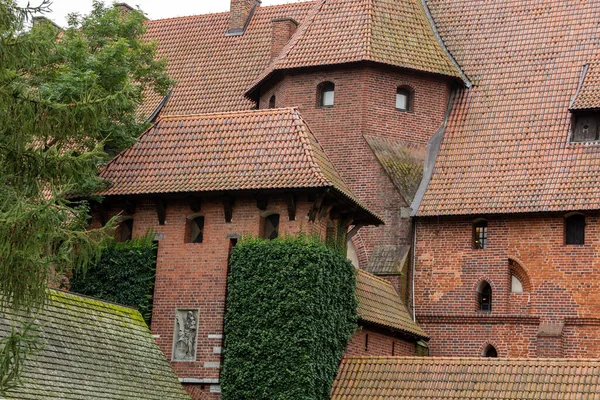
(291, 310)
(124, 274)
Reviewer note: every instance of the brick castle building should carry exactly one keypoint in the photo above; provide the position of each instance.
(318, 117)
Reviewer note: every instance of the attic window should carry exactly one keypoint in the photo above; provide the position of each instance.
(272, 102)
(575, 229)
(585, 127)
(403, 99)
(326, 91)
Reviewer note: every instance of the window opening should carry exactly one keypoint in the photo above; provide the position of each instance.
(586, 127)
(393, 348)
(126, 230)
(271, 227)
(196, 229)
(575, 229)
(403, 99)
(480, 235)
(272, 102)
(516, 285)
(485, 297)
(326, 94)
(367, 342)
(490, 351)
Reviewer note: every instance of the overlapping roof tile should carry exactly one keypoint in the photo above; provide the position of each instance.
(506, 147)
(380, 304)
(588, 97)
(391, 32)
(425, 378)
(245, 150)
(92, 350)
(212, 71)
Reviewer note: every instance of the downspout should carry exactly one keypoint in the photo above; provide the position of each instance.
(412, 277)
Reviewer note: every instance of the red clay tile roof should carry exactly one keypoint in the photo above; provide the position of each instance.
(246, 150)
(380, 304)
(426, 378)
(391, 32)
(213, 71)
(506, 147)
(588, 96)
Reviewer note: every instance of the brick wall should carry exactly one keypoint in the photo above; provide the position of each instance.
(555, 316)
(365, 105)
(193, 275)
(370, 341)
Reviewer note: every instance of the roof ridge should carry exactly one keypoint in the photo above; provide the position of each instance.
(437, 359)
(226, 113)
(90, 299)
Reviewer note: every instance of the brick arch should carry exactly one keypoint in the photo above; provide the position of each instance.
(516, 269)
(361, 250)
(484, 347)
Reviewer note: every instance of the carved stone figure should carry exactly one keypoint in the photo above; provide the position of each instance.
(184, 340)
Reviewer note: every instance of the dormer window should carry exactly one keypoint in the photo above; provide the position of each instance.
(326, 94)
(403, 99)
(586, 127)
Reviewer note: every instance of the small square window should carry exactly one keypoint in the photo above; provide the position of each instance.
(575, 229)
(271, 227)
(480, 235)
(195, 229)
(586, 127)
(403, 99)
(326, 94)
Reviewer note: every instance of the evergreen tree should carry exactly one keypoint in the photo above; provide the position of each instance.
(65, 96)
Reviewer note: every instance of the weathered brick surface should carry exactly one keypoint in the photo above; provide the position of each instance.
(379, 343)
(562, 289)
(365, 104)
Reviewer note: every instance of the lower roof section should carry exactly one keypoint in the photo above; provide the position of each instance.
(91, 350)
(424, 378)
(226, 152)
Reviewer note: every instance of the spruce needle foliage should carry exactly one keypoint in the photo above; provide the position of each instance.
(65, 97)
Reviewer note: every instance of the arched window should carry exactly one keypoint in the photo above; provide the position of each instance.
(403, 99)
(575, 229)
(270, 229)
(484, 294)
(480, 234)
(326, 93)
(489, 351)
(516, 286)
(520, 282)
(195, 229)
(272, 102)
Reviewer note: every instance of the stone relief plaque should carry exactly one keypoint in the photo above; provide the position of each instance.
(185, 335)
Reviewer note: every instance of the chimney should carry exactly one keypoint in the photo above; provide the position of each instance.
(282, 31)
(240, 15)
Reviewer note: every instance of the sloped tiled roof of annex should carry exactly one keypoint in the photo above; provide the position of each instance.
(213, 71)
(425, 378)
(380, 304)
(392, 32)
(92, 350)
(244, 150)
(506, 147)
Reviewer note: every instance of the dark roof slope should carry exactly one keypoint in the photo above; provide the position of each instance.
(246, 150)
(93, 350)
(392, 32)
(506, 147)
(213, 71)
(425, 378)
(380, 304)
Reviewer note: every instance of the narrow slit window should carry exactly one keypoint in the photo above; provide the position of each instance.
(485, 297)
(575, 229)
(403, 99)
(326, 94)
(196, 229)
(271, 227)
(480, 235)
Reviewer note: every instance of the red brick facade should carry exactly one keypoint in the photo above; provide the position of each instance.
(370, 341)
(557, 315)
(365, 105)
